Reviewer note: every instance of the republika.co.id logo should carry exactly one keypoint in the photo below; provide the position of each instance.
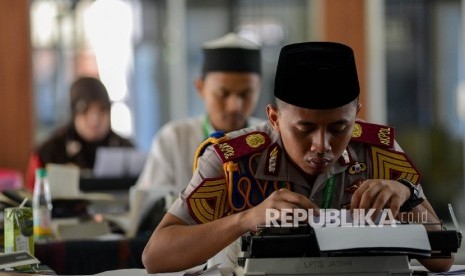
(336, 218)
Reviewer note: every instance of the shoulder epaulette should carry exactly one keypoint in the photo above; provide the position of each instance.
(243, 145)
(373, 134)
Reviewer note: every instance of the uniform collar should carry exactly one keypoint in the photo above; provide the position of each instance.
(275, 157)
(273, 162)
(207, 127)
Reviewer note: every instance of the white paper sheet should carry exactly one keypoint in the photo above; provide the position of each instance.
(118, 162)
(63, 181)
(411, 236)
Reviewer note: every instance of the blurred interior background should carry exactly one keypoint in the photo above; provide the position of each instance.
(410, 57)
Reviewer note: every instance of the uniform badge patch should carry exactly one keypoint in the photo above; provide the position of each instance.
(255, 140)
(226, 149)
(345, 158)
(357, 130)
(209, 201)
(358, 167)
(389, 164)
(273, 160)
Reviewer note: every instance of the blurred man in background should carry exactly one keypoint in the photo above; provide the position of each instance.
(229, 86)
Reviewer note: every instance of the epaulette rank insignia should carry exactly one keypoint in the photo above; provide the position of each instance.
(373, 134)
(273, 160)
(242, 146)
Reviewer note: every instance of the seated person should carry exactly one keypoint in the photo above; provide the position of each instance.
(229, 86)
(312, 153)
(90, 128)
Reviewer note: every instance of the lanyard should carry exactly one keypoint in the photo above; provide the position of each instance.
(206, 127)
(329, 188)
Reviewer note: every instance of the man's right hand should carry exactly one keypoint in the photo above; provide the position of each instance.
(200, 242)
(278, 200)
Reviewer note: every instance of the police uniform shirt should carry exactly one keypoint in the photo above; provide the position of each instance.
(353, 167)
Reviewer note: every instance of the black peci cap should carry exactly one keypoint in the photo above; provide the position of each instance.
(231, 53)
(316, 75)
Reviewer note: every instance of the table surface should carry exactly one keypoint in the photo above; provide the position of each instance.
(455, 270)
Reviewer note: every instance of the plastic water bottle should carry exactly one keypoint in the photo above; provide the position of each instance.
(42, 206)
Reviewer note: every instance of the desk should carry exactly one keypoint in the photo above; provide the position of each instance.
(91, 256)
(143, 272)
(455, 270)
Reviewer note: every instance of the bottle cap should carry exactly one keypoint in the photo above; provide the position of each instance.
(41, 173)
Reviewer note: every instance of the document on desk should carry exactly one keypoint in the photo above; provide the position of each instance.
(82, 230)
(410, 238)
(454, 270)
(64, 184)
(118, 162)
(63, 180)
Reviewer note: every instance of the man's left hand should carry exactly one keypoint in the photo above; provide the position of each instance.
(379, 193)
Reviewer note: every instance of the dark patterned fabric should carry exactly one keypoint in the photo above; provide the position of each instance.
(84, 257)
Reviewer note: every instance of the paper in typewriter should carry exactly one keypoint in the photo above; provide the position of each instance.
(403, 239)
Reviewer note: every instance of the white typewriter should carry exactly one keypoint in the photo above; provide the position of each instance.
(307, 250)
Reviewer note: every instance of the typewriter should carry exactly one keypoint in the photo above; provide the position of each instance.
(305, 250)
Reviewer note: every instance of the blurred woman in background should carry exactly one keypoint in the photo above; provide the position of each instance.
(89, 128)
